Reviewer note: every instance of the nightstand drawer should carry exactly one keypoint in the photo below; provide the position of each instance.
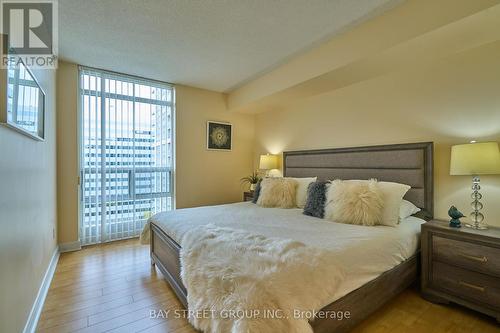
(476, 257)
(248, 196)
(468, 285)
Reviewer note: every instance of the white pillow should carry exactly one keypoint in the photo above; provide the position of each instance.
(393, 194)
(301, 191)
(407, 209)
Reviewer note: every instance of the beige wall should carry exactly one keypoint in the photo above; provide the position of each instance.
(67, 152)
(202, 177)
(450, 101)
(27, 212)
(209, 177)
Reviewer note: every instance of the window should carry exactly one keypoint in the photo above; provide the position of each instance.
(127, 153)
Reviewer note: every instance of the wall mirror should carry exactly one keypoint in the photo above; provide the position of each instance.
(25, 102)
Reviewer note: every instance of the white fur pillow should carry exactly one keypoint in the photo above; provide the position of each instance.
(277, 192)
(392, 194)
(354, 202)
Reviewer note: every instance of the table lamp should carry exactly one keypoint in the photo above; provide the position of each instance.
(475, 159)
(268, 162)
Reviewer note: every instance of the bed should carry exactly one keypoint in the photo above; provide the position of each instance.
(374, 280)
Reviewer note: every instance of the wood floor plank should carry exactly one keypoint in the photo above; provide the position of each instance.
(47, 325)
(84, 258)
(119, 282)
(89, 273)
(145, 323)
(143, 281)
(120, 321)
(80, 320)
(78, 312)
(162, 296)
(66, 327)
(113, 288)
(127, 274)
(102, 297)
(54, 317)
(55, 295)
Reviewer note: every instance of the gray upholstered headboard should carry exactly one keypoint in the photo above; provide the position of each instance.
(410, 164)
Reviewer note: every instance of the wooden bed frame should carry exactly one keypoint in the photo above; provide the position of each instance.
(363, 301)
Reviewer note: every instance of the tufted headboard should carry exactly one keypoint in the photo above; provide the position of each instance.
(410, 163)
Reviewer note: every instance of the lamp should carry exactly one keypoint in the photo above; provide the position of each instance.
(268, 162)
(475, 159)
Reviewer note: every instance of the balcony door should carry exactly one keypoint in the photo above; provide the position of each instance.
(127, 154)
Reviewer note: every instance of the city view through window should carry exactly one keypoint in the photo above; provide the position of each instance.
(127, 154)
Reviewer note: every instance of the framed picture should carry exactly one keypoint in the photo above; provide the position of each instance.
(219, 136)
(23, 102)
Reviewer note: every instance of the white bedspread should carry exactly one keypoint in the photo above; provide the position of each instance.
(363, 252)
(237, 277)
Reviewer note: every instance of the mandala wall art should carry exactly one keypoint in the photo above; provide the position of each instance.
(219, 136)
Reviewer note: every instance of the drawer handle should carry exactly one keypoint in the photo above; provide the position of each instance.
(480, 259)
(472, 286)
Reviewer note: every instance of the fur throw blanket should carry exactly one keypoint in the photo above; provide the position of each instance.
(250, 283)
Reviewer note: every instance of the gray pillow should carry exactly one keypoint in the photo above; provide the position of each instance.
(316, 199)
(256, 192)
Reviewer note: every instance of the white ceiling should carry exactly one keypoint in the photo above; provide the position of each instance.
(211, 44)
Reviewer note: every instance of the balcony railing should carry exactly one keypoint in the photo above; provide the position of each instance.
(157, 179)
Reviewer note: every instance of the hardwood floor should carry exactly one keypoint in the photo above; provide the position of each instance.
(113, 287)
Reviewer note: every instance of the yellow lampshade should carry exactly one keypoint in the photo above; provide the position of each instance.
(475, 159)
(268, 162)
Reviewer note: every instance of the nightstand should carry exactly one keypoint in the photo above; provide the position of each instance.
(461, 266)
(248, 196)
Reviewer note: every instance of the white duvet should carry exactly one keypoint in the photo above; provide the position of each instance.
(362, 252)
(237, 278)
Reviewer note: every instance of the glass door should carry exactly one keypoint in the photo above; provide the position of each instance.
(127, 154)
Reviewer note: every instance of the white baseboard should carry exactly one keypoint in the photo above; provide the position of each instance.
(70, 246)
(37, 307)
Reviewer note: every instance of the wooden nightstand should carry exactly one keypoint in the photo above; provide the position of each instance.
(248, 196)
(461, 266)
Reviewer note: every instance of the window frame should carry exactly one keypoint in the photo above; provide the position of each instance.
(80, 125)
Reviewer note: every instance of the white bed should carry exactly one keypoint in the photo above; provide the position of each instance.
(307, 255)
(364, 252)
